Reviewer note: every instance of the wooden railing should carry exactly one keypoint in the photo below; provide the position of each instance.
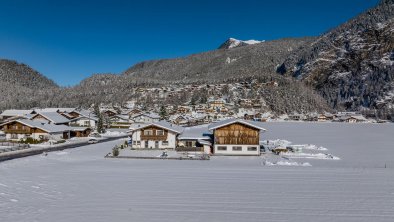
(17, 131)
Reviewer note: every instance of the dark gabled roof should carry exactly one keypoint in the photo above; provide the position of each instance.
(220, 124)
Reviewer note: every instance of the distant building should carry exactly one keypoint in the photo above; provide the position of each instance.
(145, 118)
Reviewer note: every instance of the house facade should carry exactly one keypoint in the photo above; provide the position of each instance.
(83, 121)
(236, 137)
(159, 135)
(21, 129)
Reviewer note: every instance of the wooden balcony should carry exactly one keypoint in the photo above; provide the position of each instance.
(17, 131)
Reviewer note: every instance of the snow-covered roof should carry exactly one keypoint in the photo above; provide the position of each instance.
(15, 112)
(123, 117)
(148, 114)
(54, 117)
(205, 142)
(226, 122)
(49, 128)
(162, 124)
(200, 132)
(84, 117)
(47, 110)
(79, 129)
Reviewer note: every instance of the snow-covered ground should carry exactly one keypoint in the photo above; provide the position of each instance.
(80, 185)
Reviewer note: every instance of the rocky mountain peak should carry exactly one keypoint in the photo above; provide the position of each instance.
(233, 43)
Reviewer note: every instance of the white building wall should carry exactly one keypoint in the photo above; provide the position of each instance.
(81, 122)
(230, 151)
(171, 138)
(55, 136)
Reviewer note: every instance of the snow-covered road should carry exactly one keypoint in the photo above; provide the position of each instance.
(80, 185)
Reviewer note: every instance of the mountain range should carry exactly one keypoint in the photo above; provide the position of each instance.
(348, 68)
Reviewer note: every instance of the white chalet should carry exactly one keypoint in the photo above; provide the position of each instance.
(157, 135)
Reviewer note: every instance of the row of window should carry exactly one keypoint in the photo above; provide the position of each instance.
(150, 133)
(137, 142)
(237, 148)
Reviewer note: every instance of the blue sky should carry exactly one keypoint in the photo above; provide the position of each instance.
(70, 40)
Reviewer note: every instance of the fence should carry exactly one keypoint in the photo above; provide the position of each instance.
(11, 146)
(189, 149)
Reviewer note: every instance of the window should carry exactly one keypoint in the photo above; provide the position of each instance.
(159, 132)
(23, 127)
(148, 132)
(134, 143)
(252, 148)
(237, 148)
(164, 143)
(138, 142)
(189, 144)
(222, 148)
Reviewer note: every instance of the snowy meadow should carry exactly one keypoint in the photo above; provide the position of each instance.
(80, 185)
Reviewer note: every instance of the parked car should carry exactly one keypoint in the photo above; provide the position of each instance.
(92, 141)
(96, 135)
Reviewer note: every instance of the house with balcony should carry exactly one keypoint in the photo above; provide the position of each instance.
(157, 135)
(24, 128)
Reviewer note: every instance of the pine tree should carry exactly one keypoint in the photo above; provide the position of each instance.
(163, 113)
(96, 109)
(100, 125)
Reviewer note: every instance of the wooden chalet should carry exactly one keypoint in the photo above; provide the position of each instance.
(236, 137)
(23, 128)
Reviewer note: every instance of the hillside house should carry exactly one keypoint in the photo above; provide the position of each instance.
(120, 121)
(236, 137)
(109, 113)
(10, 113)
(145, 118)
(158, 135)
(184, 109)
(216, 103)
(83, 121)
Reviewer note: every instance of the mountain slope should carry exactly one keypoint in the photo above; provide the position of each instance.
(219, 65)
(352, 65)
(19, 74)
(22, 86)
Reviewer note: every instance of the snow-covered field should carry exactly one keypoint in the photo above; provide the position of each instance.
(80, 185)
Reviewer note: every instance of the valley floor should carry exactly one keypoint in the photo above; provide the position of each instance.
(80, 185)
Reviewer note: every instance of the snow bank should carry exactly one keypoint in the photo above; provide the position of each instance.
(286, 163)
(319, 156)
(113, 134)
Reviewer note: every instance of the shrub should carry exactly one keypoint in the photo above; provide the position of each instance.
(60, 141)
(30, 140)
(121, 147)
(115, 151)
